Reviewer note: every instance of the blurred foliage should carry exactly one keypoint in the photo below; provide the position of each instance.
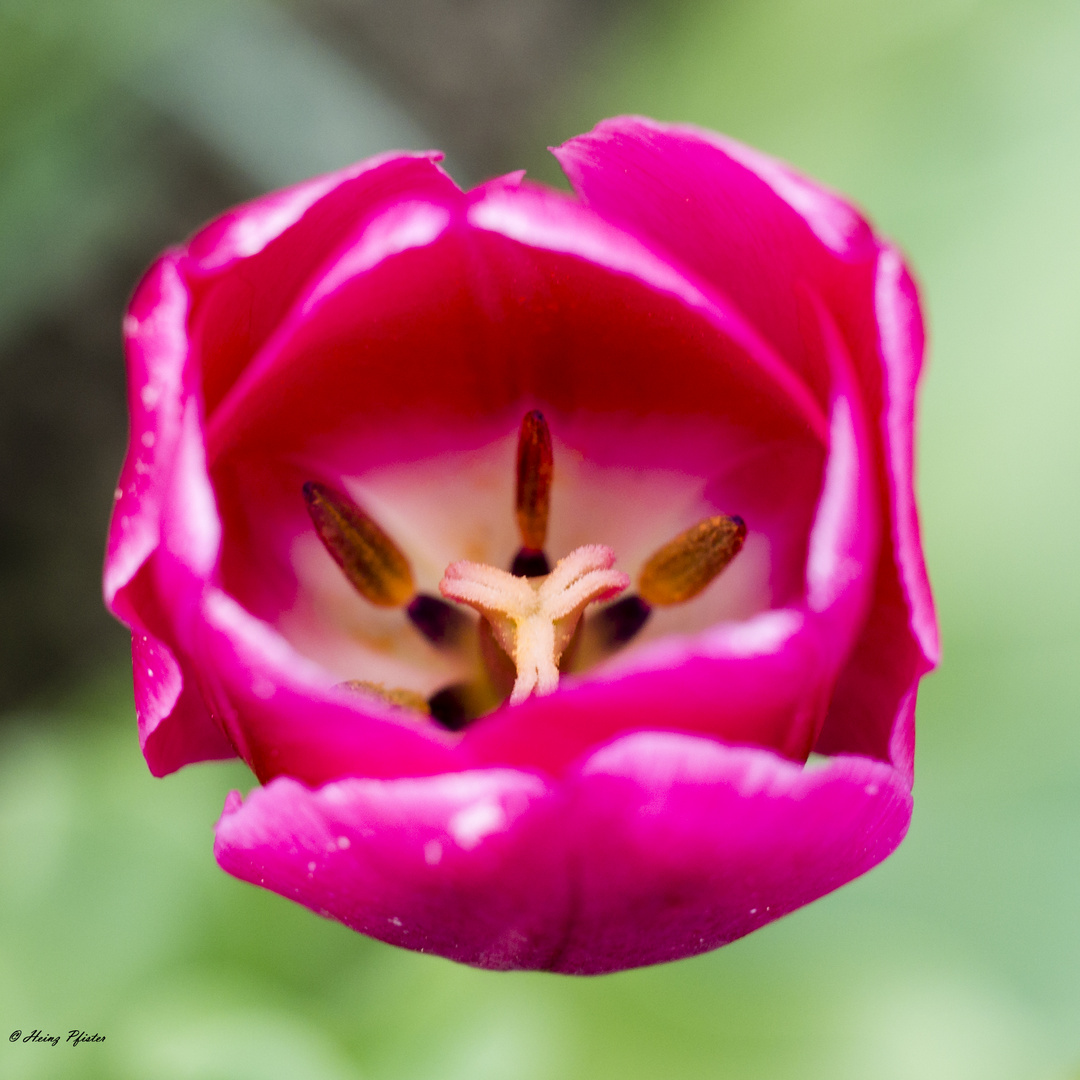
(955, 123)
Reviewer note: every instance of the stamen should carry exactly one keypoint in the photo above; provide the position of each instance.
(535, 467)
(534, 620)
(682, 568)
(399, 698)
(373, 563)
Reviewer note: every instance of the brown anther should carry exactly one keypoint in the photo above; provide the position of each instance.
(683, 567)
(398, 698)
(535, 465)
(372, 562)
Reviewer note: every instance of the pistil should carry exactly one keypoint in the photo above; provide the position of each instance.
(533, 620)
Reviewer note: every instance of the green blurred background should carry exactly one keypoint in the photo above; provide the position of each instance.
(956, 124)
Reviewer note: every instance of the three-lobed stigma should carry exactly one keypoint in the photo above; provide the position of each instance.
(533, 619)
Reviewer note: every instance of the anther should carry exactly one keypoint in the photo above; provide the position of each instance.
(398, 698)
(376, 566)
(534, 620)
(373, 563)
(683, 567)
(532, 499)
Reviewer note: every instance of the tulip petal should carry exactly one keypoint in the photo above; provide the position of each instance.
(155, 343)
(467, 866)
(744, 222)
(174, 727)
(546, 220)
(873, 709)
(661, 846)
(684, 845)
(246, 268)
(404, 225)
(902, 342)
(279, 241)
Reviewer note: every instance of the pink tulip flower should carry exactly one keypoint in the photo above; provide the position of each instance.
(526, 544)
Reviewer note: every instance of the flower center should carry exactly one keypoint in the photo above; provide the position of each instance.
(530, 616)
(533, 619)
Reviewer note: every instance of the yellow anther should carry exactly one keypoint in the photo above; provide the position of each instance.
(399, 698)
(683, 567)
(373, 563)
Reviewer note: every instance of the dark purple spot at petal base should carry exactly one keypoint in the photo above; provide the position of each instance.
(620, 622)
(441, 623)
(449, 707)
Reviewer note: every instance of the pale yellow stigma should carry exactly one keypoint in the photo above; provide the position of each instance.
(533, 619)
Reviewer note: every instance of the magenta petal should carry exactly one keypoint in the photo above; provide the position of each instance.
(662, 846)
(246, 268)
(750, 224)
(250, 229)
(547, 220)
(736, 218)
(873, 708)
(471, 866)
(684, 845)
(156, 346)
(174, 727)
(902, 341)
(405, 225)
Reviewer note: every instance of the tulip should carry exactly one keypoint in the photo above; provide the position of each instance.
(526, 545)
